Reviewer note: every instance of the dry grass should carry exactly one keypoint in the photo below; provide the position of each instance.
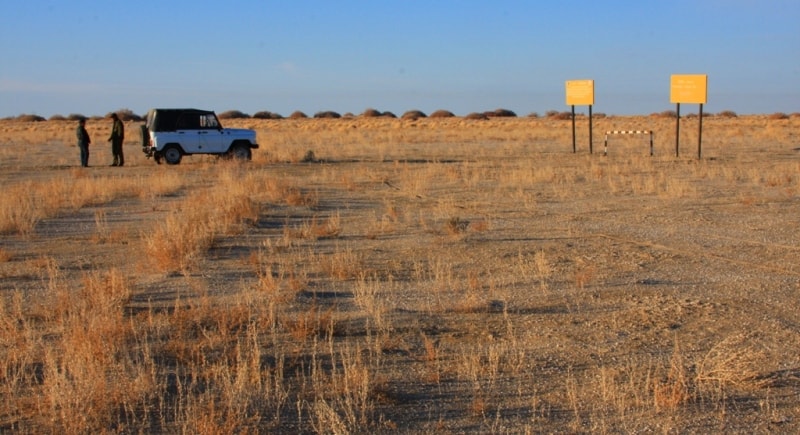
(420, 274)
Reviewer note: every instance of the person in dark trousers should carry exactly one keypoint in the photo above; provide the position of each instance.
(116, 138)
(83, 142)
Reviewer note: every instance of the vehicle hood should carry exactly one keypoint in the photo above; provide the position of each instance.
(242, 132)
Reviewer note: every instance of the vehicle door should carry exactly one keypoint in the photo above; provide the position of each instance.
(188, 132)
(211, 134)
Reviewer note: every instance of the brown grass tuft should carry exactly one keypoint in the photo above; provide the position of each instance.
(313, 322)
(734, 362)
(456, 226)
(672, 391)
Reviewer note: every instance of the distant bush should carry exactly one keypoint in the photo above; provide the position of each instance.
(25, 117)
(126, 115)
(665, 114)
(778, 115)
(298, 115)
(599, 115)
(57, 118)
(501, 113)
(371, 113)
(794, 115)
(233, 114)
(553, 114)
(414, 114)
(327, 114)
(533, 115)
(442, 114)
(727, 114)
(264, 114)
(348, 115)
(374, 113)
(75, 117)
(477, 116)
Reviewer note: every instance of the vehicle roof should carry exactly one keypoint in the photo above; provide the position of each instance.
(183, 110)
(168, 119)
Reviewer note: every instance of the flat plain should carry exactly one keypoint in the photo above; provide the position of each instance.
(375, 275)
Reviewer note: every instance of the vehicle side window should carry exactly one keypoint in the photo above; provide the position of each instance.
(208, 121)
(189, 122)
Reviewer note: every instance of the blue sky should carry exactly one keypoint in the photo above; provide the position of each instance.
(92, 57)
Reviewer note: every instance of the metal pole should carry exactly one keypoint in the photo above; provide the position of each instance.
(573, 129)
(677, 127)
(590, 129)
(700, 133)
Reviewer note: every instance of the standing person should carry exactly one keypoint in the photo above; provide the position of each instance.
(116, 138)
(83, 142)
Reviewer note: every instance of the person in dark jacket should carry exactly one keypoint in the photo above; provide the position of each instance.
(83, 142)
(116, 138)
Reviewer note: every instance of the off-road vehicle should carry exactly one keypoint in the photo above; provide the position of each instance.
(169, 134)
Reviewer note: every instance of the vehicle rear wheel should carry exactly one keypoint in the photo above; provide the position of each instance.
(172, 155)
(241, 152)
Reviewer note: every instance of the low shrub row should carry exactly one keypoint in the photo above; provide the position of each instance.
(128, 115)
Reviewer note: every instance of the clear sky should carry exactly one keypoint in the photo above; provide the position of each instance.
(91, 57)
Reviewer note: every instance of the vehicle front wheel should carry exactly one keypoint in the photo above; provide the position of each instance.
(241, 152)
(172, 155)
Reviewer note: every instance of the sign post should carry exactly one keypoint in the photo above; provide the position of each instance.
(573, 129)
(580, 92)
(693, 89)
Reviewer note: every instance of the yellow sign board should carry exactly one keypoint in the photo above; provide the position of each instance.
(688, 88)
(580, 92)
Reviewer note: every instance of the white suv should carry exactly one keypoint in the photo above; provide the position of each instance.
(169, 134)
